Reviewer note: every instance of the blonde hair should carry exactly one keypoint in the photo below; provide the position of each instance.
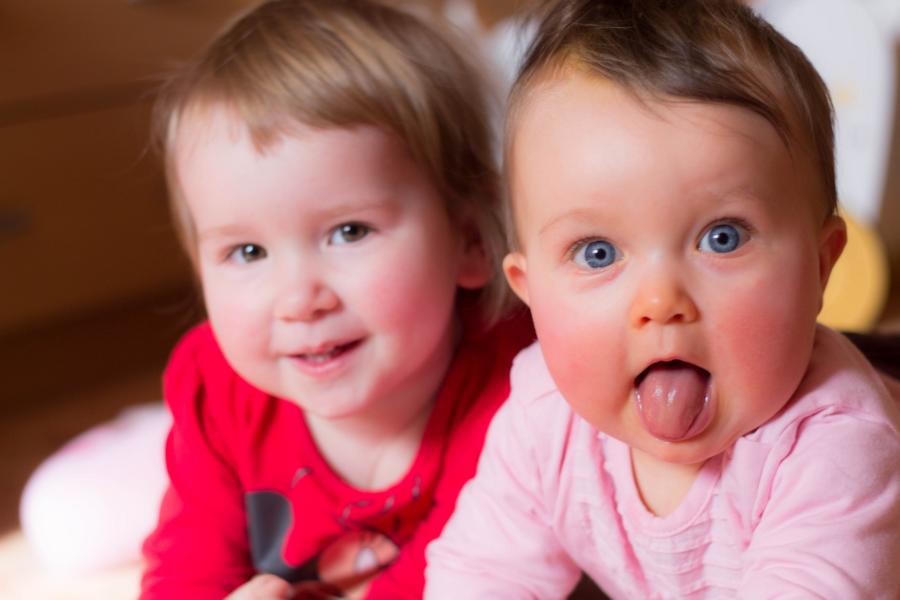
(341, 63)
(705, 50)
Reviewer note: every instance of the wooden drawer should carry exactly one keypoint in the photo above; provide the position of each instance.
(86, 206)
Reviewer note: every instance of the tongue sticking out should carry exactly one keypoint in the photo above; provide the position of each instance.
(671, 398)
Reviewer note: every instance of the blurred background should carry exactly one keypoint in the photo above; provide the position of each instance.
(95, 290)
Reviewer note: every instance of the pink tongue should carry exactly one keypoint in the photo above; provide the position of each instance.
(670, 397)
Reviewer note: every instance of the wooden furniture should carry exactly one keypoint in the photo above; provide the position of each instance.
(83, 215)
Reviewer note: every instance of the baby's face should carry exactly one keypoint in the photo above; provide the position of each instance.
(673, 256)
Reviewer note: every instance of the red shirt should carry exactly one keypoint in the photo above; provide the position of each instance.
(250, 492)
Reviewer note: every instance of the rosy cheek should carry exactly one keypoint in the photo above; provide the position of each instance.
(388, 297)
(581, 345)
(764, 333)
(232, 313)
(396, 300)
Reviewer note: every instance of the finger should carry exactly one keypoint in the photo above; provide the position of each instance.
(263, 587)
(273, 587)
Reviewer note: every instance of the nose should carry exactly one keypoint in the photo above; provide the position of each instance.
(304, 297)
(662, 298)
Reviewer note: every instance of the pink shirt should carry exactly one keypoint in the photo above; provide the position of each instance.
(808, 505)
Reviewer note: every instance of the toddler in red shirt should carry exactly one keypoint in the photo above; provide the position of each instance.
(332, 179)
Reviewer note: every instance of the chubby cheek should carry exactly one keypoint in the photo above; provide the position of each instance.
(403, 295)
(239, 320)
(763, 337)
(584, 347)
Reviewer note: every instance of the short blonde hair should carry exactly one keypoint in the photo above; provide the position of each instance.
(341, 63)
(705, 50)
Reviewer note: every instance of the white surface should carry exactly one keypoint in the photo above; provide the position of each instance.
(89, 506)
(22, 577)
(854, 54)
(887, 14)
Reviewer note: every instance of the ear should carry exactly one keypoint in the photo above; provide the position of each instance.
(474, 268)
(832, 239)
(515, 267)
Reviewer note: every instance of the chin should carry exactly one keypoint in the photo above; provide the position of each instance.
(330, 412)
(687, 452)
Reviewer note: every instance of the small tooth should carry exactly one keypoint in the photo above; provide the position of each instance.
(321, 356)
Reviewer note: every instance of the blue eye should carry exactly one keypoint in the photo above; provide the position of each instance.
(247, 253)
(723, 238)
(348, 233)
(596, 254)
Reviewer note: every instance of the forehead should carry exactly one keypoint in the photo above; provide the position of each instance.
(215, 140)
(578, 115)
(581, 138)
(304, 176)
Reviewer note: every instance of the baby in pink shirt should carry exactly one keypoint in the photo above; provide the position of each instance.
(684, 428)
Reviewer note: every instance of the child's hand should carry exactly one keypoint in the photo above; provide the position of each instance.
(264, 587)
(271, 587)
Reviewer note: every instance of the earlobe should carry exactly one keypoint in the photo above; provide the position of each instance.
(832, 239)
(515, 267)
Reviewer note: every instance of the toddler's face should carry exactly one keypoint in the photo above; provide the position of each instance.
(673, 256)
(329, 264)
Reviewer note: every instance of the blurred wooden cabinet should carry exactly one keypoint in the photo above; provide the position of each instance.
(83, 214)
(86, 213)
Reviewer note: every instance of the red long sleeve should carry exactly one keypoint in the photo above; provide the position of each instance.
(250, 492)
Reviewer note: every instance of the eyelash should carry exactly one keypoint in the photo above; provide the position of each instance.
(366, 231)
(232, 253)
(736, 222)
(577, 245)
(581, 244)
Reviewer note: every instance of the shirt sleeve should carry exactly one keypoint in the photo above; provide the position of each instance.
(829, 526)
(199, 549)
(500, 542)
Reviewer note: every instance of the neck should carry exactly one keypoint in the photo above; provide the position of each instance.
(662, 485)
(370, 431)
(375, 447)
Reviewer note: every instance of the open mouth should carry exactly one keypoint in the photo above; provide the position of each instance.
(328, 355)
(673, 399)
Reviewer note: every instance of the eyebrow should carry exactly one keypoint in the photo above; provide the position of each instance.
(339, 207)
(330, 210)
(221, 231)
(580, 214)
